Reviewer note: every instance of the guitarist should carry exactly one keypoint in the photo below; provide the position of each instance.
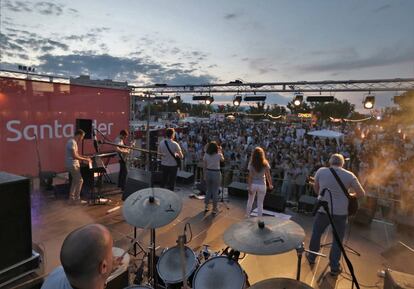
(122, 155)
(171, 156)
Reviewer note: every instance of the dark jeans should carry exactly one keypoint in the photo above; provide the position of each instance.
(319, 226)
(123, 172)
(169, 174)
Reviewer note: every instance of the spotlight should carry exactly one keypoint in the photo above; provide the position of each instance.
(297, 101)
(237, 100)
(369, 101)
(209, 100)
(176, 99)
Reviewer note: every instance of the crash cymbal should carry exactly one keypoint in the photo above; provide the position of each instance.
(280, 283)
(264, 236)
(151, 208)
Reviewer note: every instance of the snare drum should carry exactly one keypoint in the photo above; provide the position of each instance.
(169, 265)
(219, 273)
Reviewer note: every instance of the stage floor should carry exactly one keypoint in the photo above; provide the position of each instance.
(53, 219)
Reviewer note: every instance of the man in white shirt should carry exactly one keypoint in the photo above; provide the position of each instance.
(86, 258)
(170, 152)
(72, 158)
(338, 207)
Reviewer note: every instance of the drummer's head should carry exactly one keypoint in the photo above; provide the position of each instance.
(86, 256)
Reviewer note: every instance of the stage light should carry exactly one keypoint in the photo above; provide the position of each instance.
(255, 98)
(320, 98)
(297, 101)
(209, 100)
(378, 117)
(237, 100)
(369, 101)
(176, 99)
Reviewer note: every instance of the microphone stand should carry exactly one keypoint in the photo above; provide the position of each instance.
(324, 205)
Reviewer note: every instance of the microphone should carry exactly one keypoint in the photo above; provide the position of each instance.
(320, 202)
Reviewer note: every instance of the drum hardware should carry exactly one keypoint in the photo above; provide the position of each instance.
(299, 250)
(264, 236)
(280, 283)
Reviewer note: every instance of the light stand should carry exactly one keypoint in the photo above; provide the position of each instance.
(324, 205)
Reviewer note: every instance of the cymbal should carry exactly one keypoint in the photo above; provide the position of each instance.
(264, 236)
(281, 283)
(151, 208)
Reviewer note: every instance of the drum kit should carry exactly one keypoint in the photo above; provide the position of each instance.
(180, 267)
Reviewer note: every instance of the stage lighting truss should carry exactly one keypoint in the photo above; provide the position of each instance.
(255, 97)
(369, 101)
(298, 99)
(237, 100)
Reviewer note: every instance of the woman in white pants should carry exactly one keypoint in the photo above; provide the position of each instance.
(259, 172)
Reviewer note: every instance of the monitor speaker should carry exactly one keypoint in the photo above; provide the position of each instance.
(273, 202)
(15, 220)
(86, 126)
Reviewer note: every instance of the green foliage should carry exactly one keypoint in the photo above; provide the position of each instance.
(336, 109)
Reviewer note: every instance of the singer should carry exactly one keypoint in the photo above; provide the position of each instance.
(122, 155)
(330, 190)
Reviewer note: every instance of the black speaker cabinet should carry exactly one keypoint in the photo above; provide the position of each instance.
(273, 202)
(15, 220)
(238, 189)
(138, 179)
(185, 178)
(86, 126)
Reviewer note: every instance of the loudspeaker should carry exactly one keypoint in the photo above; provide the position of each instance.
(185, 178)
(15, 220)
(86, 126)
(273, 202)
(138, 179)
(363, 217)
(398, 280)
(238, 189)
(307, 203)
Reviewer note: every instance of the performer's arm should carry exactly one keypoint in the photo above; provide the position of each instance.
(269, 178)
(77, 156)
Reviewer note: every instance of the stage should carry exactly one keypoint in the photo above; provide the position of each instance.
(53, 219)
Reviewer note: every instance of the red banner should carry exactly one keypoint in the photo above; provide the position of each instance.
(49, 111)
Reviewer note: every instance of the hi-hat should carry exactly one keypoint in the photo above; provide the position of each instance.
(151, 208)
(264, 236)
(280, 283)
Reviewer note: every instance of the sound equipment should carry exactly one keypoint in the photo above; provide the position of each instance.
(306, 203)
(139, 179)
(15, 219)
(86, 126)
(17, 258)
(238, 189)
(273, 202)
(398, 280)
(185, 178)
(363, 217)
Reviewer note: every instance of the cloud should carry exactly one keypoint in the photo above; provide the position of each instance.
(48, 8)
(120, 68)
(261, 65)
(382, 8)
(231, 16)
(383, 57)
(42, 7)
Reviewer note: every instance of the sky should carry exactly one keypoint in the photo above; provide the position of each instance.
(215, 41)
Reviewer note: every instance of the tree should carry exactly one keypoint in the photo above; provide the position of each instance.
(335, 109)
(303, 108)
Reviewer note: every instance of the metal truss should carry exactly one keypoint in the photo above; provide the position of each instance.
(396, 84)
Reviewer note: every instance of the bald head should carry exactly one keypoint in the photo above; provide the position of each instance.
(84, 250)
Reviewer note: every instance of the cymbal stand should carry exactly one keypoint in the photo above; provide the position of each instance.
(152, 272)
(137, 244)
(299, 250)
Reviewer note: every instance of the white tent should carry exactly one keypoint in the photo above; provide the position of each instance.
(325, 133)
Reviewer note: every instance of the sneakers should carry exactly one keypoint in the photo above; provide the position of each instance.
(215, 211)
(336, 272)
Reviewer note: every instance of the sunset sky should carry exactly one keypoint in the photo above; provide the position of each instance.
(196, 42)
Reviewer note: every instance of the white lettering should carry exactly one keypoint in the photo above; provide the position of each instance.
(42, 130)
(102, 128)
(26, 132)
(68, 130)
(11, 129)
(57, 126)
(57, 130)
(109, 127)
